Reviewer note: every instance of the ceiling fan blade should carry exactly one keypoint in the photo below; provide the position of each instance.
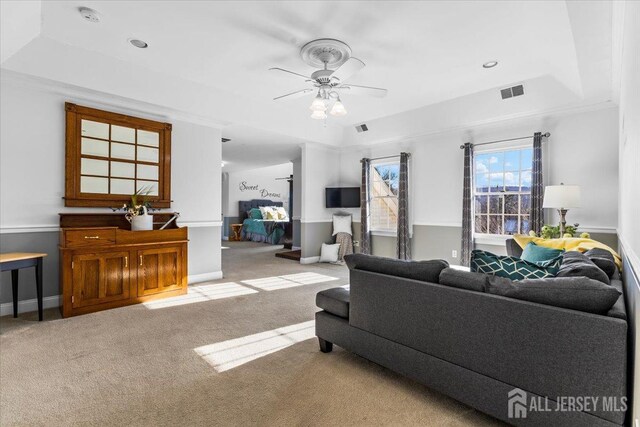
(290, 72)
(293, 95)
(365, 90)
(348, 69)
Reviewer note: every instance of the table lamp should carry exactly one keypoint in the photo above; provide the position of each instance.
(561, 197)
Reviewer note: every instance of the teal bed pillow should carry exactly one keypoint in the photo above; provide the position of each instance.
(539, 254)
(511, 267)
(255, 213)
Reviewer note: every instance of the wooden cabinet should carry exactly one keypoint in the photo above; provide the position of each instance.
(159, 270)
(99, 278)
(105, 267)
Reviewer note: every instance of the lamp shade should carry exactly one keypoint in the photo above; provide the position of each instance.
(561, 196)
(338, 109)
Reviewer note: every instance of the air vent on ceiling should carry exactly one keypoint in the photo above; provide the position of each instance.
(510, 92)
(225, 140)
(362, 128)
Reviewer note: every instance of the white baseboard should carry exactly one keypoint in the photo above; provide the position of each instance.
(310, 260)
(29, 305)
(204, 277)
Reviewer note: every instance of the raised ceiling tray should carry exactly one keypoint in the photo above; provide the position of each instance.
(331, 52)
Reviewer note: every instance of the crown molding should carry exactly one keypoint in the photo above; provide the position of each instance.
(103, 100)
(558, 112)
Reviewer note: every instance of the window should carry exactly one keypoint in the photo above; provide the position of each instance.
(503, 191)
(111, 156)
(384, 196)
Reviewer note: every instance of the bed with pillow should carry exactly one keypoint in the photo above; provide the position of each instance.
(263, 221)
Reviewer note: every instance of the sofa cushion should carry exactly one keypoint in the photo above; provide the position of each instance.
(426, 271)
(513, 248)
(618, 309)
(329, 252)
(603, 259)
(539, 254)
(463, 279)
(576, 293)
(334, 301)
(575, 264)
(511, 267)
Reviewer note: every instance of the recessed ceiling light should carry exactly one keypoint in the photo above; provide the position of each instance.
(89, 14)
(490, 64)
(139, 43)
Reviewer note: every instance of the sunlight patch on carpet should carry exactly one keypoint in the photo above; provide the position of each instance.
(202, 293)
(288, 281)
(230, 354)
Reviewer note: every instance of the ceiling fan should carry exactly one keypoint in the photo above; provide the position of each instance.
(337, 66)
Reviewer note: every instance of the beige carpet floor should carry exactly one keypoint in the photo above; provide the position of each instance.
(137, 365)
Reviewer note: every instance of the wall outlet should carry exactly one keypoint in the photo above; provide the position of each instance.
(454, 254)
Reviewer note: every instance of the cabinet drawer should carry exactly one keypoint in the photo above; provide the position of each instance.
(89, 237)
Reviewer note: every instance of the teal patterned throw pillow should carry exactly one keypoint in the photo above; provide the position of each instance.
(511, 267)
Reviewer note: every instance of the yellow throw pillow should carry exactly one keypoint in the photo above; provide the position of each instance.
(272, 215)
(568, 244)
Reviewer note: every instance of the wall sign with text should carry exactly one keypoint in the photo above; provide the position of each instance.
(265, 193)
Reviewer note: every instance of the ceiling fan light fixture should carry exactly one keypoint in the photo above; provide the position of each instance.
(338, 109)
(318, 104)
(319, 115)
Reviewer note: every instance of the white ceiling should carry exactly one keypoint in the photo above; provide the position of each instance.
(424, 53)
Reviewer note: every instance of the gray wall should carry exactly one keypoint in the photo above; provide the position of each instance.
(204, 257)
(296, 232)
(631, 279)
(313, 235)
(46, 242)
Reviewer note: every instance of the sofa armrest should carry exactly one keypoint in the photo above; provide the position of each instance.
(546, 350)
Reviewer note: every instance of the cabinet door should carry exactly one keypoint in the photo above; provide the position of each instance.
(100, 278)
(159, 270)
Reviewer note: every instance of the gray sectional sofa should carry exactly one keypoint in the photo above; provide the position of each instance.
(478, 347)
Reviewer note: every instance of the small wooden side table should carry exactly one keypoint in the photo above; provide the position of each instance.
(14, 261)
(237, 229)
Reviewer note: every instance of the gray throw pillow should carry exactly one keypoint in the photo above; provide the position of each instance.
(463, 279)
(425, 271)
(575, 293)
(603, 259)
(577, 264)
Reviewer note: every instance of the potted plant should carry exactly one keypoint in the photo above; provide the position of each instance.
(137, 211)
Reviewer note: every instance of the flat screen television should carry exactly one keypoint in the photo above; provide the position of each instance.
(342, 197)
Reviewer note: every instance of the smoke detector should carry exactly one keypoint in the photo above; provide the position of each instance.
(89, 14)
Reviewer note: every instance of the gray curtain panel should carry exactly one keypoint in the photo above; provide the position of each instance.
(365, 218)
(537, 186)
(403, 248)
(467, 203)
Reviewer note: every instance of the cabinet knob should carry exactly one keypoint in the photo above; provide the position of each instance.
(91, 237)
(126, 261)
(140, 259)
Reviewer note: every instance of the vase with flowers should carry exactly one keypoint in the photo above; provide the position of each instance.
(137, 210)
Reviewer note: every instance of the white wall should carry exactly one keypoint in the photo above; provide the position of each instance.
(629, 199)
(32, 148)
(629, 226)
(265, 183)
(582, 150)
(320, 169)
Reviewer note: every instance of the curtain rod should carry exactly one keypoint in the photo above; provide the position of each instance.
(545, 135)
(386, 157)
